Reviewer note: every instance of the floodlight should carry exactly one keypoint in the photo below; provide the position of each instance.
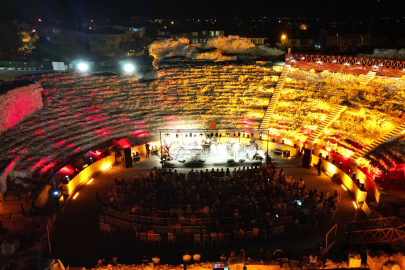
(129, 68)
(83, 67)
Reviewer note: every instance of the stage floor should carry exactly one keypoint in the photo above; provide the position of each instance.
(207, 161)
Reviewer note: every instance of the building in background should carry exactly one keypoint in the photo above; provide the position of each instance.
(255, 38)
(109, 40)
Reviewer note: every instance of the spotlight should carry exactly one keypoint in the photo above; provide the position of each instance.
(227, 134)
(327, 157)
(201, 135)
(177, 136)
(313, 150)
(129, 68)
(238, 134)
(282, 141)
(82, 66)
(340, 165)
(56, 193)
(167, 135)
(261, 134)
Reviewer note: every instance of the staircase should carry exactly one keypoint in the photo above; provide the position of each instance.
(326, 123)
(395, 132)
(275, 97)
(365, 79)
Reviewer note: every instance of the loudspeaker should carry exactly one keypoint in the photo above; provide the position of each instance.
(127, 158)
(306, 159)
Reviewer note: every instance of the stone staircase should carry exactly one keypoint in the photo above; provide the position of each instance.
(326, 123)
(395, 132)
(365, 79)
(275, 97)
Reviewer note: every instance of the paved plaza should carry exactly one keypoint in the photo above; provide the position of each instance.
(76, 240)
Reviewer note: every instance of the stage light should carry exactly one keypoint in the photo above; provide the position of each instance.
(345, 189)
(227, 134)
(261, 134)
(106, 167)
(129, 68)
(201, 135)
(91, 180)
(313, 150)
(82, 66)
(340, 165)
(56, 193)
(77, 194)
(282, 141)
(191, 135)
(274, 140)
(177, 136)
(327, 157)
(355, 205)
(234, 134)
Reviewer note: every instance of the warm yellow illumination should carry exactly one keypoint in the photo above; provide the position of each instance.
(91, 180)
(355, 205)
(77, 194)
(172, 22)
(283, 37)
(403, 132)
(315, 140)
(323, 117)
(106, 166)
(343, 187)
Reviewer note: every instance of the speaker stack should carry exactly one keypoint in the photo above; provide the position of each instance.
(127, 158)
(306, 159)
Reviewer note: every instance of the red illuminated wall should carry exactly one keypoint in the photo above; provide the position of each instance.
(19, 103)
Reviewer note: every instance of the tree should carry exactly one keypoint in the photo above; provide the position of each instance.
(284, 45)
(27, 40)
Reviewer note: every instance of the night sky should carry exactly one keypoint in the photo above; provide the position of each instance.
(84, 10)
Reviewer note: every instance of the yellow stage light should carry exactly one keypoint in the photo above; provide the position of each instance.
(343, 187)
(91, 180)
(106, 166)
(77, 194)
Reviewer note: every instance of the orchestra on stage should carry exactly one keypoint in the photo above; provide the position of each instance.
(182, 149)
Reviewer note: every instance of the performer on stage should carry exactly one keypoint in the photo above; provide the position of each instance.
(235, 151)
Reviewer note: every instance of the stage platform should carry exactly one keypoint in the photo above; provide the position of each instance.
(208, 161)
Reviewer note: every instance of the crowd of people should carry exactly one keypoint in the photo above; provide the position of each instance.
(254, 197)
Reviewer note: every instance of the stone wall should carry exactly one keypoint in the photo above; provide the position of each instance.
(19, 103)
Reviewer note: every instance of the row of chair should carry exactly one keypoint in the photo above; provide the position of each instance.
(191, 230)
(188, 221)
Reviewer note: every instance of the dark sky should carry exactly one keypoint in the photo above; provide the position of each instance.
(85, 10)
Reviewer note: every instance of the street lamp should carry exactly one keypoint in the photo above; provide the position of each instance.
(283, 37)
